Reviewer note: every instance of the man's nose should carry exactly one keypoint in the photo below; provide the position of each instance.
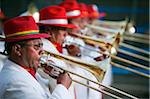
(41, 52)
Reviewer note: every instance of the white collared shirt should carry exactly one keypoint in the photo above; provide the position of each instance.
(17, 83)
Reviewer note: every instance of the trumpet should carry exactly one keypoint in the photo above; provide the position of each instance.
(44, 62)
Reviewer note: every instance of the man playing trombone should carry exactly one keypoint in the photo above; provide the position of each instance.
(54, 22)
(23, 46)
(88, 55)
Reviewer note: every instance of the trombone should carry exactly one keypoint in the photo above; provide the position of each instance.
(122, 66)
(140, 39)
(126, 25)
(124, 30)
(115, 44)
(109, 46)
(120, 24)
(105, 45)
(138, 35)
(104, 30)
(135, 48)
(97, 71)
(109, 31)
(72, 60)
(110, 27)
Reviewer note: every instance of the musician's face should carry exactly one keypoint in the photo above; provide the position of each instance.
(91, 20)
(58, 35)
(83, 23)
(31, 53)
(76, 21)
(61, 36)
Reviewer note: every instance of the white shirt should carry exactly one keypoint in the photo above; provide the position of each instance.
(45, 80)
(2, 61)
(17, 83)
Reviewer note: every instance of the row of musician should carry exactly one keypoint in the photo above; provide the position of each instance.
(83, 46)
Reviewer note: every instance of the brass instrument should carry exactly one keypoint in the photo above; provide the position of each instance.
(104, 30)
(96, 70)
(134, 39)
(126, 26)
(135, 48)
(110, 27)
(133, 55)
(104, 91)
(122, 60)
(115, 45)
(123, 27)
(139, 35)
(130, 37)
(105, 45)
(112, 23)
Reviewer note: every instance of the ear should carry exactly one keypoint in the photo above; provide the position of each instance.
(17, 49)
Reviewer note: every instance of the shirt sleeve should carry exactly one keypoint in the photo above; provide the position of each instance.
(21, 91)
(60, 92)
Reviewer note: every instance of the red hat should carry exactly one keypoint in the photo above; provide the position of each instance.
(21, 28)
(72, 8)
(83, 10)
(93, 12)
(54, 16)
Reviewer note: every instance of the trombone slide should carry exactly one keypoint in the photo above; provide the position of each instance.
(91, 67)
(96, 89)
